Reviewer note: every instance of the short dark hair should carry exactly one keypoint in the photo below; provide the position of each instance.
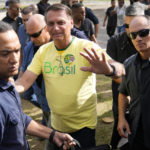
(27, 10)
(4, 27)
(10, 2)
(77, 5)
(57, 7)
(112, 0)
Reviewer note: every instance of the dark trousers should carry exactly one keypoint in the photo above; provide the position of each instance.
(85, 136)
(138, 146)
(111, 30)
(115, 136)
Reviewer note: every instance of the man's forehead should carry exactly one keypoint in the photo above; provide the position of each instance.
(138, 23)
(9, 39)
(60, 14)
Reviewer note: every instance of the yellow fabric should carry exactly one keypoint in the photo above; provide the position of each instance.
(70, 92)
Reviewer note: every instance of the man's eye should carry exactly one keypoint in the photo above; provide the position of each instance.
(61, 23)
(50, 24)
(4, 54)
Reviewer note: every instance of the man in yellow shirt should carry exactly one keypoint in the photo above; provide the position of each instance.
(70, 92)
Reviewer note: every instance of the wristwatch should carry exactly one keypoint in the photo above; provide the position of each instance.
(114, 73)
(51, 137)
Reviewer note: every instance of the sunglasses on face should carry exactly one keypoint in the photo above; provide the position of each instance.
(35, 35)
(126, 25)
(141, 33)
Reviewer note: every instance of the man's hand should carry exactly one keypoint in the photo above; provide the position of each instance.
(122, 127)
(97, 66)
(62, 138)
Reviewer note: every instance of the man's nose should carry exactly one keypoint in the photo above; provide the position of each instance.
(56, 27)
(15, 56)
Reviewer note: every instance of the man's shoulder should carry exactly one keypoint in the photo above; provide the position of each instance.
(129, 61)
(21, 29)
(46, 47)
(29, 46)
(119, 37)
(87, 22)
(83, 43)
(6, 18)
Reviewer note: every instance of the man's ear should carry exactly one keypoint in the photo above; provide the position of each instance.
(72, 23)
(45, 28)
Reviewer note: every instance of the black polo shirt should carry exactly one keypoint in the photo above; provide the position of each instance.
(136, 83)
(112, 19)
(15, 23)
(90, 15)
(88, 27)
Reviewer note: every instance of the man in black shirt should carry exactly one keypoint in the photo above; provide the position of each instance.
(42, 6)
(112, 19)
(89, 14)
(12, 15)
(136, 84)
(120, 47)
(82, 23)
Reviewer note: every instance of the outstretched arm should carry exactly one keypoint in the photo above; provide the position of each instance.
(36, 129)
(102, 66)
(25, 81)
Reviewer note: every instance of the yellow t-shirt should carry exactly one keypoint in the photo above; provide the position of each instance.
(70, 92)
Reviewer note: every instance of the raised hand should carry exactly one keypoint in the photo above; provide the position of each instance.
(98, 66)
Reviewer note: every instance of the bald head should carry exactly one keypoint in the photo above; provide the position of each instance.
(139, 21)
(36, 22)
(37, 30)
(139, 33)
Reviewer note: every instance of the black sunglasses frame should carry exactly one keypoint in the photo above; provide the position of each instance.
(35, 35)
(141, 33)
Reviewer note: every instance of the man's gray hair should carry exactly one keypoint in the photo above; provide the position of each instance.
(4, 27)
(134, 10)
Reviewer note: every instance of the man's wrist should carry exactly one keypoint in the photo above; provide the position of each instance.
(113, 74)
(51, 137)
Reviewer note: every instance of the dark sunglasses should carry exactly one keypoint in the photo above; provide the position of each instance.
(35, 35)
(141, 33)
(126, 25)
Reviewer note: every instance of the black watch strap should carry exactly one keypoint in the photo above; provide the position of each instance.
(51, 137)
(114, 71)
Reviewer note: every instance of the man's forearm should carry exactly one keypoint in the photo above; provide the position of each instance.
(36, 129)
(25, 81)
(96, 30)
(122, 105)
